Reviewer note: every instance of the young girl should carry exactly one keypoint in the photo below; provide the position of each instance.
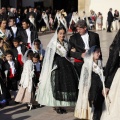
(90, 87)
(26, 83)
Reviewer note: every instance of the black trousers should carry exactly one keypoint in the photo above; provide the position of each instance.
(78, 67)
(109, 26)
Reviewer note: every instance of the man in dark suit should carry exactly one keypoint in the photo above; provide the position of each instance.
(110, 20)
(13, 28)
(4, 13)
(37, 18)
(27, 35)
(79, 44)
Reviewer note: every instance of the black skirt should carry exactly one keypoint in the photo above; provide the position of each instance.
(95, 93)
(64, 80)
(56, 23)
(42, 23)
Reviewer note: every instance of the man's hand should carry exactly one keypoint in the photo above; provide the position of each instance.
(83, 55)
(73, 50)
(106, 92)
(21, 42)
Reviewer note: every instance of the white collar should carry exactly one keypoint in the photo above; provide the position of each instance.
(28, 29)
(14, 26)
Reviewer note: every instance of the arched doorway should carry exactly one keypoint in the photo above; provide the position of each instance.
(67, 5)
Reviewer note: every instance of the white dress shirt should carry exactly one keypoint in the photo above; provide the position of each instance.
(12, 66)
(19, 50)
(14, 29)
(85, 38)
(29, 35)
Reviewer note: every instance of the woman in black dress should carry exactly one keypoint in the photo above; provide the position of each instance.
(58, 85)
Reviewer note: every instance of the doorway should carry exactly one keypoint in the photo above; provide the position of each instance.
(67, 5)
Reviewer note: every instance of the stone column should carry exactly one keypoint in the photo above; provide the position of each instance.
(87, 7)
(81, 7)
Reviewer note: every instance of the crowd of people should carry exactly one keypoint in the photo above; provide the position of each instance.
(48, 19)
(29, 74)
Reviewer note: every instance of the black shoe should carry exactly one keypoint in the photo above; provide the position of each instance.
(28, 107)
(17, 102)
(59, 111)
(63, 110)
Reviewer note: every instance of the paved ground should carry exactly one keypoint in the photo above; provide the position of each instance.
(19, 112)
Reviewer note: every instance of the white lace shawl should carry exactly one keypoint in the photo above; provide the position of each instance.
(85, 83)
(45, 76)
(63, 21)
(45, 18)
(27, 75)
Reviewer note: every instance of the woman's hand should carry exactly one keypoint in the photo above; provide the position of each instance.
(73, 50)
(106, 91)
(83, 54)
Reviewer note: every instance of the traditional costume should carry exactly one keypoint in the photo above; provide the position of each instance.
(90, 99)
(62, 22)
(25, 91)
(73, 21)
(58, 79)
(44, 23)
(112, 81)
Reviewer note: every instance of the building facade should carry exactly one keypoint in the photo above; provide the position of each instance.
(102, 6)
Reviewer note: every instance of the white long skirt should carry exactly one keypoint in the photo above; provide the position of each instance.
(114, 98)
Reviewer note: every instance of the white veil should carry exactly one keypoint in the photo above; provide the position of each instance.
(47, 63)
(84, 85)
(82, 109)
(24, 58)
(45, 76)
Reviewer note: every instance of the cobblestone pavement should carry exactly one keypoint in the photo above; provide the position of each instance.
(19, 111)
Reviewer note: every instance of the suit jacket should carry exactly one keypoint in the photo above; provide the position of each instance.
(77, 42)
(18, 29)
(11, 14)
(24, 38)
(110, 17)
(7, 67)
(15, 52)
